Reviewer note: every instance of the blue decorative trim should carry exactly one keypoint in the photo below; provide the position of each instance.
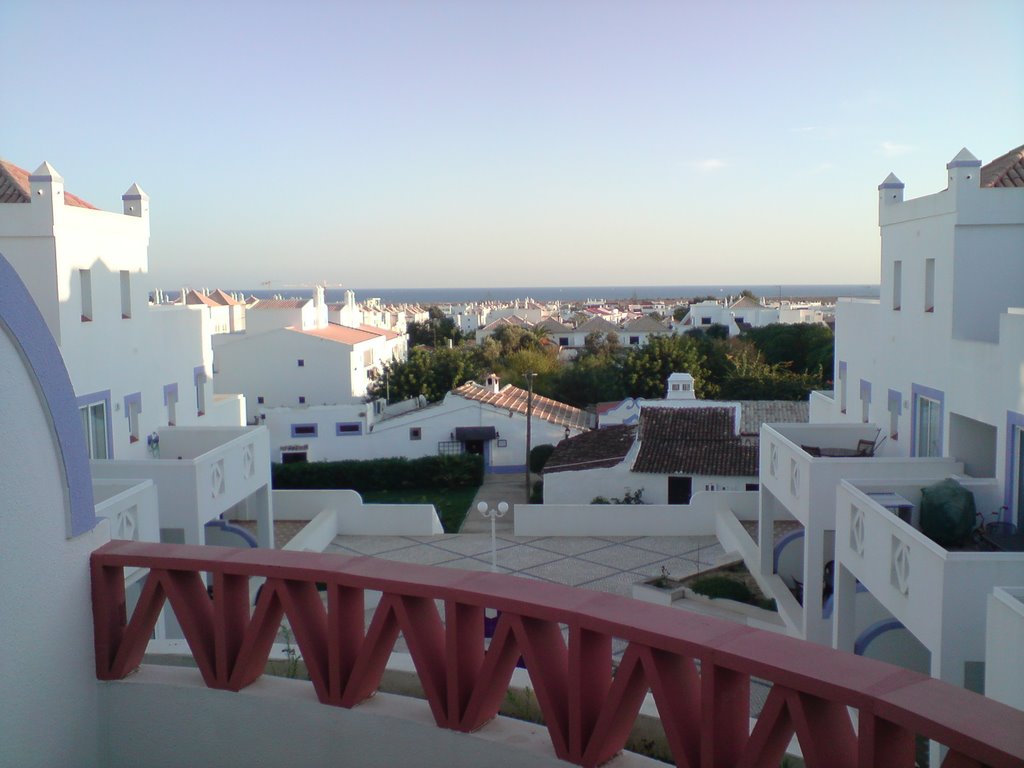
(895, 402)
(506, 469)
(21, 317)
(133, 398)
(1013, 420)
(865, 390)
(919, 390)
(826, 608)
(304, 434)
(892, 185)
(781, 544)
(171, 389)
(348, 432)
(963, 164)
(873, 632)
(103, 396)
(199, 373)
(227, 527)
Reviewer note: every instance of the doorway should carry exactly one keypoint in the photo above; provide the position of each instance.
(680, 489)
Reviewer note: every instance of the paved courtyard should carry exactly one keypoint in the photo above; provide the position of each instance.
(606, 564)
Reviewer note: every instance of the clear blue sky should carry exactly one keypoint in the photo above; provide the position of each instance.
(491, 143)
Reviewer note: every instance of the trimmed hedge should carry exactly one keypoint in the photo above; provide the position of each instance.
(539, 456)
(381, 474)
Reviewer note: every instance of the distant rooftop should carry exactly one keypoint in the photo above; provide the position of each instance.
(695, 441)
(15, 187)
(1005, 171)
(597, 449)
(515, 399)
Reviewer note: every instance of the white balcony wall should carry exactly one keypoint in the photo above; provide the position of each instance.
(1004, 637)
(937, 594)
(698, 518)
(219, 468)
(133, 511)
(354, 518)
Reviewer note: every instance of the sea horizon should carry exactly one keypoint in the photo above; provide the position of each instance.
(570, 293)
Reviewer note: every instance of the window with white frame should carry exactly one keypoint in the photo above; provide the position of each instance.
(85, 284)
(895, 409)
(171, 396)
(929, 285)
(126, 294)
(928, 426)
(842, 387)
(94, 424)
(132, 409)
(897, 284)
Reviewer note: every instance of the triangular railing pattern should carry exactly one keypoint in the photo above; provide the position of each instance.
(697, 669)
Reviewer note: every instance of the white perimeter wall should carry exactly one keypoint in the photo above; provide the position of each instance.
(164, 716)
(694, 519)
(49, 702)
(391, 437)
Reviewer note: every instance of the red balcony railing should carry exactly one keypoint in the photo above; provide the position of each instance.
(697, 668)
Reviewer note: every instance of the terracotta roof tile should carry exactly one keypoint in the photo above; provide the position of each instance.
(224, 299)
(195, 297)
(754, 413)
(645, 324)
(376, 331)
(514, 399)
(695, 441)
(16, 188)
(280, 304)
(1005, 171)
(592, 450)
(597, 325)
(341, 334)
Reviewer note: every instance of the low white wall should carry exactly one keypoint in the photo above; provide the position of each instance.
(353, 517)
(694, 519)
(1004, 637)
(163, 716)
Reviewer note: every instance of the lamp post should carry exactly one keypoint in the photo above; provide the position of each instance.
(492, 514)
(529, 425)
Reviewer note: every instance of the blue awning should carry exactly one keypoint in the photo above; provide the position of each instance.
(466, 434)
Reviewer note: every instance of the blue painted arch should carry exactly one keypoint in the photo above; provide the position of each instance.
(21, 319)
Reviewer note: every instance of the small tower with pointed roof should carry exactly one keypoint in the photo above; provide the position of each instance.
(964, 172)
(47, 191)
(135, 202)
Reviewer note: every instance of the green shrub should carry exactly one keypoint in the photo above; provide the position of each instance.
(381, 474)
(723, 587)
(537, 494)
(539, 456)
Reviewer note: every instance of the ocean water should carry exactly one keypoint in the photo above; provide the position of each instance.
(575, 293)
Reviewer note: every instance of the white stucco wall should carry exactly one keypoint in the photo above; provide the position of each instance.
(391, 436)
(108, 353)
(49, 702)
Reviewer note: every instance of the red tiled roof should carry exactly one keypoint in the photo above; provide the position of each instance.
(280, 304)
(379, 331)
(695, 441)
(195, 297)
(514, 399)
(341, 334)
(15, 187)
(1005, 171)
(592, 450)
(224, 299)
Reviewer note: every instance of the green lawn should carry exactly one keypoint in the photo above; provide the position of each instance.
(451, 503)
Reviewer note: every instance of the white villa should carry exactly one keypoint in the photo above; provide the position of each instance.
(928, 386)
(293, 355)
(743, 313)
(170, 458)
(485, 419)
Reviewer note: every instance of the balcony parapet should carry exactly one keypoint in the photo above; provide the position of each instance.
(697, 668)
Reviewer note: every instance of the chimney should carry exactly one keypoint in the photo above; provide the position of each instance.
(493, 382)
(680, 387)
